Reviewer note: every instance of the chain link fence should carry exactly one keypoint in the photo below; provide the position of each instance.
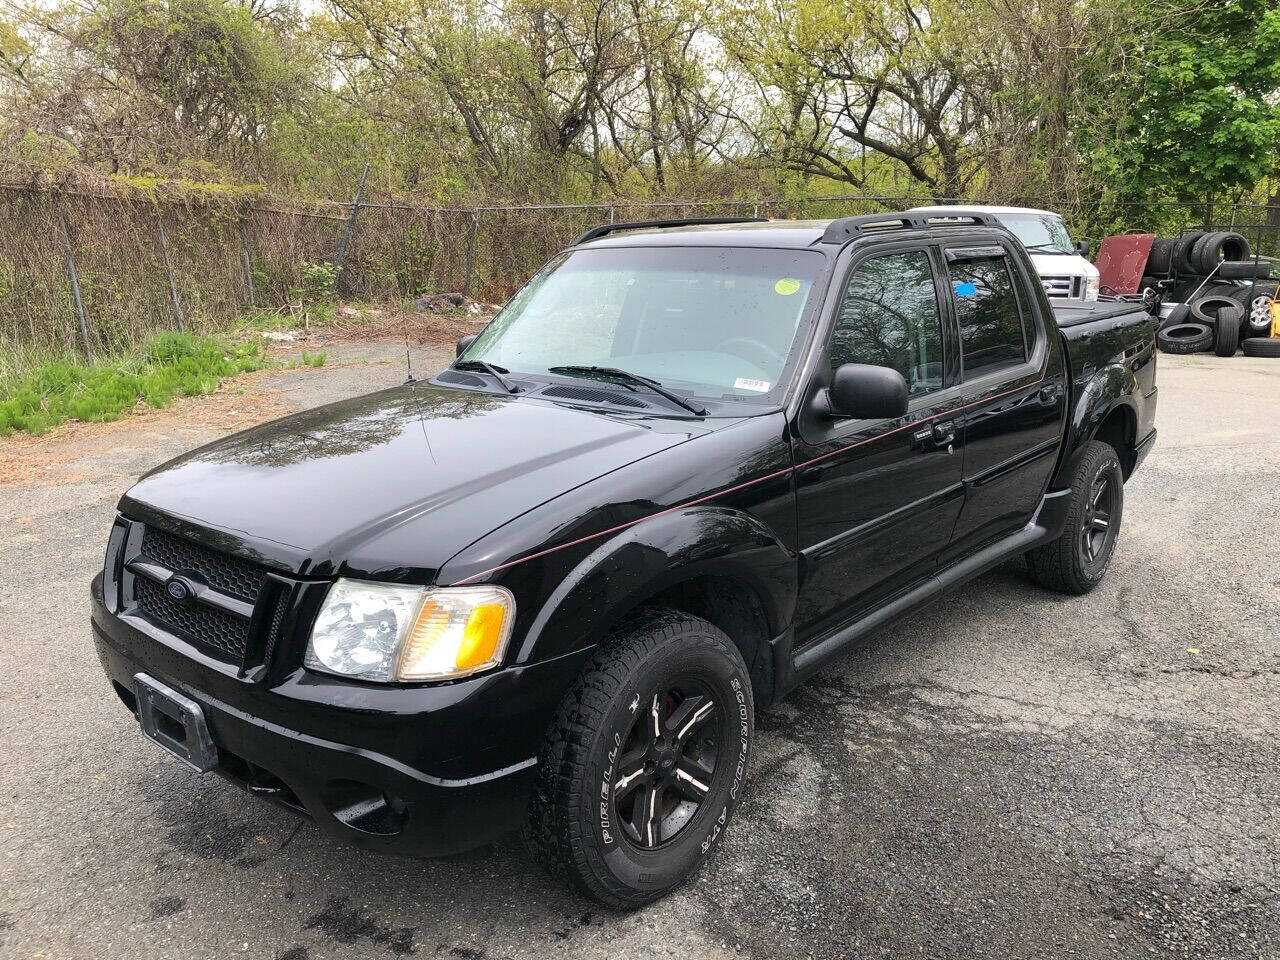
(101, 273)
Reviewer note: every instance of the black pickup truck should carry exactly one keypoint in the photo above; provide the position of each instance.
(550, 587)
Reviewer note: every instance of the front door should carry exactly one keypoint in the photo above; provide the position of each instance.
(877, 499)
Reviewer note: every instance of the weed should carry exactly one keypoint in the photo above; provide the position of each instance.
(168, 365)
(318, 280)
(309, 360)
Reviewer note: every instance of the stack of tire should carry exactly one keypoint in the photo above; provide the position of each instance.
(1212, 313)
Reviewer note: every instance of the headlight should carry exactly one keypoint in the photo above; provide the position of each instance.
(391, 633)
(1091, 288)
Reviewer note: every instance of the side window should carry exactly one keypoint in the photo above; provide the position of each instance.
(889, 318)
(992, 334)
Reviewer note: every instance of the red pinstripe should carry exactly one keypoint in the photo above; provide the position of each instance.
(720, 493)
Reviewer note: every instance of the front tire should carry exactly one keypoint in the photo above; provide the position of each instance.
(1077, 561)
(645, 762)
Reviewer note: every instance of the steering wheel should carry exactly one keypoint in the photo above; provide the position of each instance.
(756, 350)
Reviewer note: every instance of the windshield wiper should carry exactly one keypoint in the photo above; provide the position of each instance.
(619, 374)
(489, 368)
(1049, 247)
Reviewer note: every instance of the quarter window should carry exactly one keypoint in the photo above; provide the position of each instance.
(992, 333)
(889, 318)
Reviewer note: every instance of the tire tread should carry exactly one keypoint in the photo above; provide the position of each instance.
(553, 838)
(1054, 565)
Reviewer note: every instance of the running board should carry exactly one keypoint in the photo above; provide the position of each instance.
(1045, 526)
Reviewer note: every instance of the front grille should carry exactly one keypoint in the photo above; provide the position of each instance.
(226, 574)
(1069, 288)
(234, 610)
(276, 628)
(222, 632)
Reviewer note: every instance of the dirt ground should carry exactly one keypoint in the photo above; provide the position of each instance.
(1010, 774)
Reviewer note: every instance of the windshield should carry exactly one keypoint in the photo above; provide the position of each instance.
(715, 322)
(1039, 232)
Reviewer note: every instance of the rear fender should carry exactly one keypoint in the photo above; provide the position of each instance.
(1110, 388)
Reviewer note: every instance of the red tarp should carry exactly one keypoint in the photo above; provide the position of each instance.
(1121, 261)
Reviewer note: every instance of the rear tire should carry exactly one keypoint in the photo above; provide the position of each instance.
(1226, 335)
(624, 815)
(1160, 259)
(1182, 252)
(1216, 247)
(1077, 561)
(1206, 309)
(1185, 338)
(1261, 347)
(1244, 270)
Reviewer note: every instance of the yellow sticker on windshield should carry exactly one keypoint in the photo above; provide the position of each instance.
(786, 286)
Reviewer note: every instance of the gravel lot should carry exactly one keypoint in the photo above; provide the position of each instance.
(1011, 774)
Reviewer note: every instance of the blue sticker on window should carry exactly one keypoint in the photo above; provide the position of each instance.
(966, 289)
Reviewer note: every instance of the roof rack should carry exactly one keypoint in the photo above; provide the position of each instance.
(595, 233)
(846, 228)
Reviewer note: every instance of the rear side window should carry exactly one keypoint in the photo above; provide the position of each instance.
(992, 333)
(889, 318)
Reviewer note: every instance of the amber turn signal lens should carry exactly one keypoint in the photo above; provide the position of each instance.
(481, 635)
(458, 631)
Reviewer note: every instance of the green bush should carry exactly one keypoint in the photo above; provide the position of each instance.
(168, 365)
(318, 280)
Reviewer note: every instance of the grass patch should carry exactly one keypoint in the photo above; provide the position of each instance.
(168, 365)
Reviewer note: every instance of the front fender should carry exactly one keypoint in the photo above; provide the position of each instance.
(647, 558)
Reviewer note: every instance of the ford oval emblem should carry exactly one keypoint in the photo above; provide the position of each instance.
(179, 590)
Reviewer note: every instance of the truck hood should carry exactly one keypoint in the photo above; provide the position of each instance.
(391, 484)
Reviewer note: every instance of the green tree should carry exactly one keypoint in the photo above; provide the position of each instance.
(159, 85)
(1187, 101)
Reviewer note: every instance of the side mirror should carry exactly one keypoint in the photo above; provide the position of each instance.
(463, 344)
(1082, 248)
(863, 392)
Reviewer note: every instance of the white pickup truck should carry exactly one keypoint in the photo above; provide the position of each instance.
(1063, 270)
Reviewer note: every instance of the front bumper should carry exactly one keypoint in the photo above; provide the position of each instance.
(421, 771)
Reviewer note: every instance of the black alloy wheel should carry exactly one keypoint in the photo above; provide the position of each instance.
(645, 763)
(1096, 532)
(1078, 558)
(667, 764)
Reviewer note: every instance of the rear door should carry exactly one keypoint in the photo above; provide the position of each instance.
(1013, 390)
(877, 499)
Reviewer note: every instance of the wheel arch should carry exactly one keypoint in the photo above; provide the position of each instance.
(718, 563)
(1119, 429)
(1104, 410)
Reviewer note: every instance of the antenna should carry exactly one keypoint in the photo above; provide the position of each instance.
(408, 362)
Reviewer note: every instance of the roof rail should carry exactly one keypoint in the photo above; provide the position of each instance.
(846, 228)
(595, 233)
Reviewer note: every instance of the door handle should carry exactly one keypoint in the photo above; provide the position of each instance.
(943, 435)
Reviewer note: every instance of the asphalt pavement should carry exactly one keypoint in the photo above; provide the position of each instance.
(1009, 774)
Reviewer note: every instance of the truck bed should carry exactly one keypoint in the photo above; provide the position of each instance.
(1072, 313)
(1112, 342)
